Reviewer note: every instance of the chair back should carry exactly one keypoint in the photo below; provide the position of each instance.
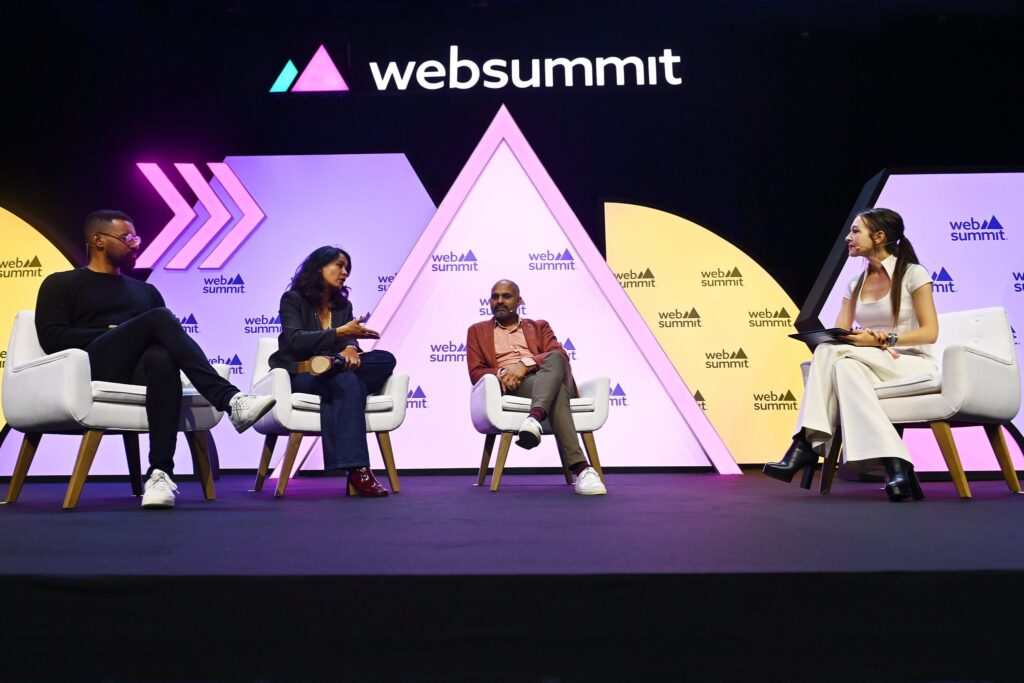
(24, 342)
(265, 348)
(985, 329)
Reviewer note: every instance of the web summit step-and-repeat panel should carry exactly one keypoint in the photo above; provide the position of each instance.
(692, 331)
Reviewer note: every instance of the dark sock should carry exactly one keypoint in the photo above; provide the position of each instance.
(538, 414)
(578, 467)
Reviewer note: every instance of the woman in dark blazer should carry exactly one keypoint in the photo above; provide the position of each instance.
(316, 319)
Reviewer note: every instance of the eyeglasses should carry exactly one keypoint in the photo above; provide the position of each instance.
(128, 239)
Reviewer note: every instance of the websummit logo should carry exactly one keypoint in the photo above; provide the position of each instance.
(942, 281)
(453, 263)
(726, 359)
(569, 348)
(631, 279)
(232, 362)
(220, 284)
(617, 397)
(190, 324)
(416, 398)
(448, 352)
(971, 230)
(677, 318)
(547, 260)
(262, 324)
(320, 75)
(18, 267)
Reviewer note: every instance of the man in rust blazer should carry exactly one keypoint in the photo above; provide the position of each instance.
(530, 362)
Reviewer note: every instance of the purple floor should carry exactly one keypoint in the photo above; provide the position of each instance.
(441, 525)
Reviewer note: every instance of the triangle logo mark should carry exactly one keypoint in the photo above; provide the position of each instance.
(320, 75)
(504, 187)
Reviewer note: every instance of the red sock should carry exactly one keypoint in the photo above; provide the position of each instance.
(538, 414)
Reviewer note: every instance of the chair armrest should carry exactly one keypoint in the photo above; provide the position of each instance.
(979, 385)
(48, 390)
(276, 383)
(485, 404)
(596, 388)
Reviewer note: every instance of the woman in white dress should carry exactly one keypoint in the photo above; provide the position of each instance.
(892, 302)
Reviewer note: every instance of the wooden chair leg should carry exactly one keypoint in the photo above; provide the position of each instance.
(294, 441)
(591, 447)
(944, 435)
(995, 437)
(134, 457)
(201, 462)
(388, 455)
(828, 468)
(485, 461)
(268, 452)
(29, 444)
(86, 453)
(499, 466)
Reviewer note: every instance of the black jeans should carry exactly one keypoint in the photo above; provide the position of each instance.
(150, 349)
(342, 407)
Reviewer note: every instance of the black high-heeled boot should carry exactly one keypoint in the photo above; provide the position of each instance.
(800, 456)
(901, 481)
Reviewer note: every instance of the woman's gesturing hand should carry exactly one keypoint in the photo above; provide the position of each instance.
(354, 328)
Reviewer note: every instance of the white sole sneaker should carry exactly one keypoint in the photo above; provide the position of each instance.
(529, 434)
(250, 414)
(157, 500)
(589, 483)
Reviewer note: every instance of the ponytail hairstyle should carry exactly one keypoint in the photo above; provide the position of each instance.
(890, 224)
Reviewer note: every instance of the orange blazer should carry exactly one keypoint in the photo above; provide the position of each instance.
(483, 360)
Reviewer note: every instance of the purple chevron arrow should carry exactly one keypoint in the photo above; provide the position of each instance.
(219, 217)
(183, 215)
(252, 216)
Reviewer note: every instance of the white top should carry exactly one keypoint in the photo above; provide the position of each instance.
(878, 314)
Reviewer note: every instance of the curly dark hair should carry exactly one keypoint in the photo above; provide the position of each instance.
(310, 283)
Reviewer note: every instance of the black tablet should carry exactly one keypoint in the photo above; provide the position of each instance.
(832, 335)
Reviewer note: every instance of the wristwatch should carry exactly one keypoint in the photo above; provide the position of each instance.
(891, 340)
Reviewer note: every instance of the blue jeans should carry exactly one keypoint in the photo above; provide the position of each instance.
(342, 406)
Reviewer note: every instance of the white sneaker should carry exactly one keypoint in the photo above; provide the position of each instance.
(247, 409)
(588, 483)
(160, 491)
(529, 434)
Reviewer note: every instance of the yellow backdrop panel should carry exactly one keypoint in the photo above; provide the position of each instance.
(26, 257)
(720, 317)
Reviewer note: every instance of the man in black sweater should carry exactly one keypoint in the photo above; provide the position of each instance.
(131, 337)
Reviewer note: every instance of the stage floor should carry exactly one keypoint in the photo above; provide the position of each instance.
(669, 577)
(442, 525)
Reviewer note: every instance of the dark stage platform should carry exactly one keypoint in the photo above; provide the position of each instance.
(670, 576)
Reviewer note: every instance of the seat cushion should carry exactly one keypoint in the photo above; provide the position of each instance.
(518, 404)
(913, 385)
(374, 404)
(135, 394)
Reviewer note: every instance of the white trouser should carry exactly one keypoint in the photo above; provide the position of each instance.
(841, 385)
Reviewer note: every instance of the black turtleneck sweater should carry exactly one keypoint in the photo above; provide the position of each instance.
(77, 306)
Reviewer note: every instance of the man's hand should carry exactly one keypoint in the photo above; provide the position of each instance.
(513, 377)
(351, 356)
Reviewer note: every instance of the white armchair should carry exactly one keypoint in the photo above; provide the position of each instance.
(978, 384)
(56, 394)
(297, 415)
(494, 414)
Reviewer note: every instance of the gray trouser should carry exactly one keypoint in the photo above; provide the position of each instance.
(548, 388)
